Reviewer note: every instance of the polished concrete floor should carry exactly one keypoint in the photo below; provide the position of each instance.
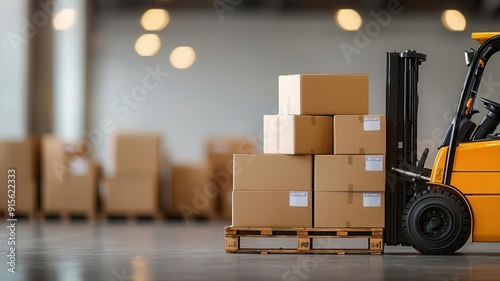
(177, 251)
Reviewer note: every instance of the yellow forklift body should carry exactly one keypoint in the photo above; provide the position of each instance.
(476, 174)
(480, 37)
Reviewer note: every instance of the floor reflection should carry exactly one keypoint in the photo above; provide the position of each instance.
(178, 251)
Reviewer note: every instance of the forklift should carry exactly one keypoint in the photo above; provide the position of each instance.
(438, 210)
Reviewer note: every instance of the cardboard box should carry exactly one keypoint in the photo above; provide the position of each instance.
(132, 195)
(219, 155)
(349, 173)
(59, 158)
(272, 208)
(136, 154)
(26, 192)
(194, 194)
(349, 209)
(359, 134)
(323, 94)
(292, 134)
(76, 192)
(226, 204)
(19, 155)
(272, 172)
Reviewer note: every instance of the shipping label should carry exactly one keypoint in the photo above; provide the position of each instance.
(374, 163)
(372, 199)
(371, 123)
(299, 199)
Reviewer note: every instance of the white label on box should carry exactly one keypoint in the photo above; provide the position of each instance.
(374, 163)
(371, 123)
(298, 199)
(372, 199)
(78, 166)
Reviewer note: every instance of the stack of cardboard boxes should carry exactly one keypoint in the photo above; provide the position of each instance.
(135, 187)
(69, 178)
(352, 181)
(20, 156)
(323, 162)
(273, 190)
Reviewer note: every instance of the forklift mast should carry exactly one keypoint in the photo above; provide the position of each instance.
(401, 114)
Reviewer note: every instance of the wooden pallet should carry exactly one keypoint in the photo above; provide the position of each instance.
(32, 215)
(132, 217)
(304, 237)
(68, 216)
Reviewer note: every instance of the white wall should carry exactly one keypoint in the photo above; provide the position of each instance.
(14, 77)
(234, 80)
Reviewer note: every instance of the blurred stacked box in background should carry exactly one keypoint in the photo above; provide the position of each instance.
(22, 156)
(69, 179)
(134, 188)
(219, 158)
(194, 196)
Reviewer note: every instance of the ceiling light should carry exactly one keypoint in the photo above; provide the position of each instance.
(64, 19)
(147, 45)
(155, 19)
(348, 19)
(453, 20)
(182, 57)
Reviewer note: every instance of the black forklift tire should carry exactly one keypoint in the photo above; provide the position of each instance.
(436, 222)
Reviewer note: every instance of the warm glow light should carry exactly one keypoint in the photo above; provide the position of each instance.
(348, 19)
(155, 19)
(65, 19)
(182, 57)
(453, 20)
(147, 45)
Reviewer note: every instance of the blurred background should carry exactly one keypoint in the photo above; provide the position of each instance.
(192, 79)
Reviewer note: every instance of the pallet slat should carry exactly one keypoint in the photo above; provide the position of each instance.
(133, 216)
(68, 216)
(304, 236)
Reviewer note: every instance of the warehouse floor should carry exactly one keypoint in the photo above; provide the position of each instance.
(141, 251)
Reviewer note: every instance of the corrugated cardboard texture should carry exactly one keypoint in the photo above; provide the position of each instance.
(347, 173)
(132, 195)
(272, 172)
(136, 154)
(194, 194)
(345, 209)
(291, 134)
(269, 209)
(350, 137)
(75, 193)
(323, 94)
